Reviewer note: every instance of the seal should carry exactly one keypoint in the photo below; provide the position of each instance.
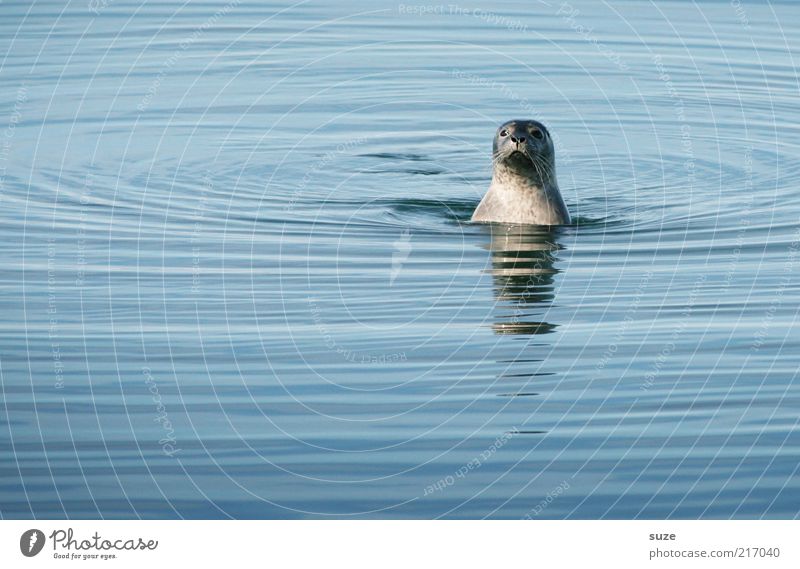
(524, 189)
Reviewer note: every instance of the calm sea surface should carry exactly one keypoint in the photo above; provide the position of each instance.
(239, 278)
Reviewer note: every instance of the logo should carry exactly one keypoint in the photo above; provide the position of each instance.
(31, 542)
(402, 249)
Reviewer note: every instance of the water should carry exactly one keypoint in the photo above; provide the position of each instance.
(239, 278)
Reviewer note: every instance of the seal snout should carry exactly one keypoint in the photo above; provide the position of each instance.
(515, 134)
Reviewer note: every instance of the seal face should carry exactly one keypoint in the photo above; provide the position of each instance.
(524, 189)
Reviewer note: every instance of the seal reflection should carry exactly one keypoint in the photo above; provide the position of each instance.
(523, 274)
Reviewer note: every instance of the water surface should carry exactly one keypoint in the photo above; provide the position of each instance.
(239, 278)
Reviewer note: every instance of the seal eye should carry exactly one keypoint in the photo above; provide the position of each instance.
(504, 133)
(537, 133)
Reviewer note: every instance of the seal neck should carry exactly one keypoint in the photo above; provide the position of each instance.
(524, 178)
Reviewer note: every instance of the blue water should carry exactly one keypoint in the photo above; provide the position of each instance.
(239, 278)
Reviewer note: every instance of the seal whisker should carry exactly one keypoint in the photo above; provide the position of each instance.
(544, 169)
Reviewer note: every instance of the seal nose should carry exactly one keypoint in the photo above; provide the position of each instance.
(518, 139)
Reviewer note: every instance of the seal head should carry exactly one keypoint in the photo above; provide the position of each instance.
(524, 189)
